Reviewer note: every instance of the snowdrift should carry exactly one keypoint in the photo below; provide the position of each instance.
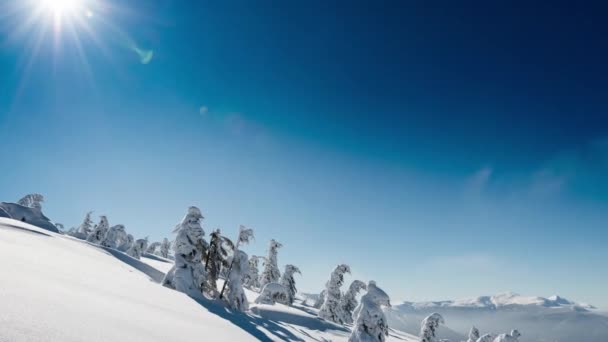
(57, 288)
(32, 216)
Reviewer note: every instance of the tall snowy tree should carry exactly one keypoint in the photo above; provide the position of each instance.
(331, 309)
(115, 237)
(511, 337)
(289, 282)
(138, 248)
(244, 237)
(271, 273)
(473, 335)
(32, 201)
(165, 247)
(370, 321)
(85, 228)
(428, 328)
(188, 273)
(126, 244)
(251, 279)
(216, 258)
(235, 293)
(98, 234)
(320, 300)
(349, 300)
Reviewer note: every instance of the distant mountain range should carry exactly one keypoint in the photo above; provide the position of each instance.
(539, 319)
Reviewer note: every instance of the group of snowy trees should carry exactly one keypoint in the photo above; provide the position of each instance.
(429, 326)
(116, 237)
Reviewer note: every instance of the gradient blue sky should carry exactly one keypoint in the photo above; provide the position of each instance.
(445, 149)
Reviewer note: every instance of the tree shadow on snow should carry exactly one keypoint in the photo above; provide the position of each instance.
(157, 258)
(154, 274)
(248, 322)
(308, 322)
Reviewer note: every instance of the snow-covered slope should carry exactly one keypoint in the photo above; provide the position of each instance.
(57, 288)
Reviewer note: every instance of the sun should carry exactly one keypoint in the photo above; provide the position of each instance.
(62, 7)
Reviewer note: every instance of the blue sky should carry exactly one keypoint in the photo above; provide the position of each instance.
(445, 150)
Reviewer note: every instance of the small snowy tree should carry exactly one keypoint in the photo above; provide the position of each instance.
(349, 300)
(370, 321)
(153, 247)
(473, 335)
(273, 293)
(85, 228)
(331, 309)
(32, 201)
(320, 300)
(512, 337)
(98, 234)
(236, 296)
(486, 338)
(428, 328)
(271, 273)
(115, 237)
(138, 248)
(216, 258)
(251, 279)
(188, 273)
(289, 282)
(165, 246)
(126, 244)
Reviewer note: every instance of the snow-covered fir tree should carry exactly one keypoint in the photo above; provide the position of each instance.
(473, 335)
(271, 273)
(32, 201)
(138, 248)
(235, 293)
(331, 310)
(98, 234)
(216, 258)
(289, 282)
(429, 326)
(115, 237)
(153, 247)
(349, 300)
(251, 279)
(370, 321)
(165, 247)
(486, 338)
(511, 337)
(188, 273)
(126, 244)
(85, 228)
(320, 300)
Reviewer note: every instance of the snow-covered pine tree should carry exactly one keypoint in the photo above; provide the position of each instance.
(85, 228)
(473, 334)
(126, 243)
(370, 321)
(289, 282)
(236, 295)
(349, 300)
(331, 309)
(138, 248)
(320, 300)
(511, 337)
(98, 234)
(271, 273)
(165, 247)
(153, 247)
(428, 328)
(115, 237)
(216, 258)
(486, 338)
(32, 201)
(188, 273)
(251, 279)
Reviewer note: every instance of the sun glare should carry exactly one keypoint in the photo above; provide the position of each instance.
(61, 7)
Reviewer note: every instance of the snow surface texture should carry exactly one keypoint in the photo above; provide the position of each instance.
(57, 288)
